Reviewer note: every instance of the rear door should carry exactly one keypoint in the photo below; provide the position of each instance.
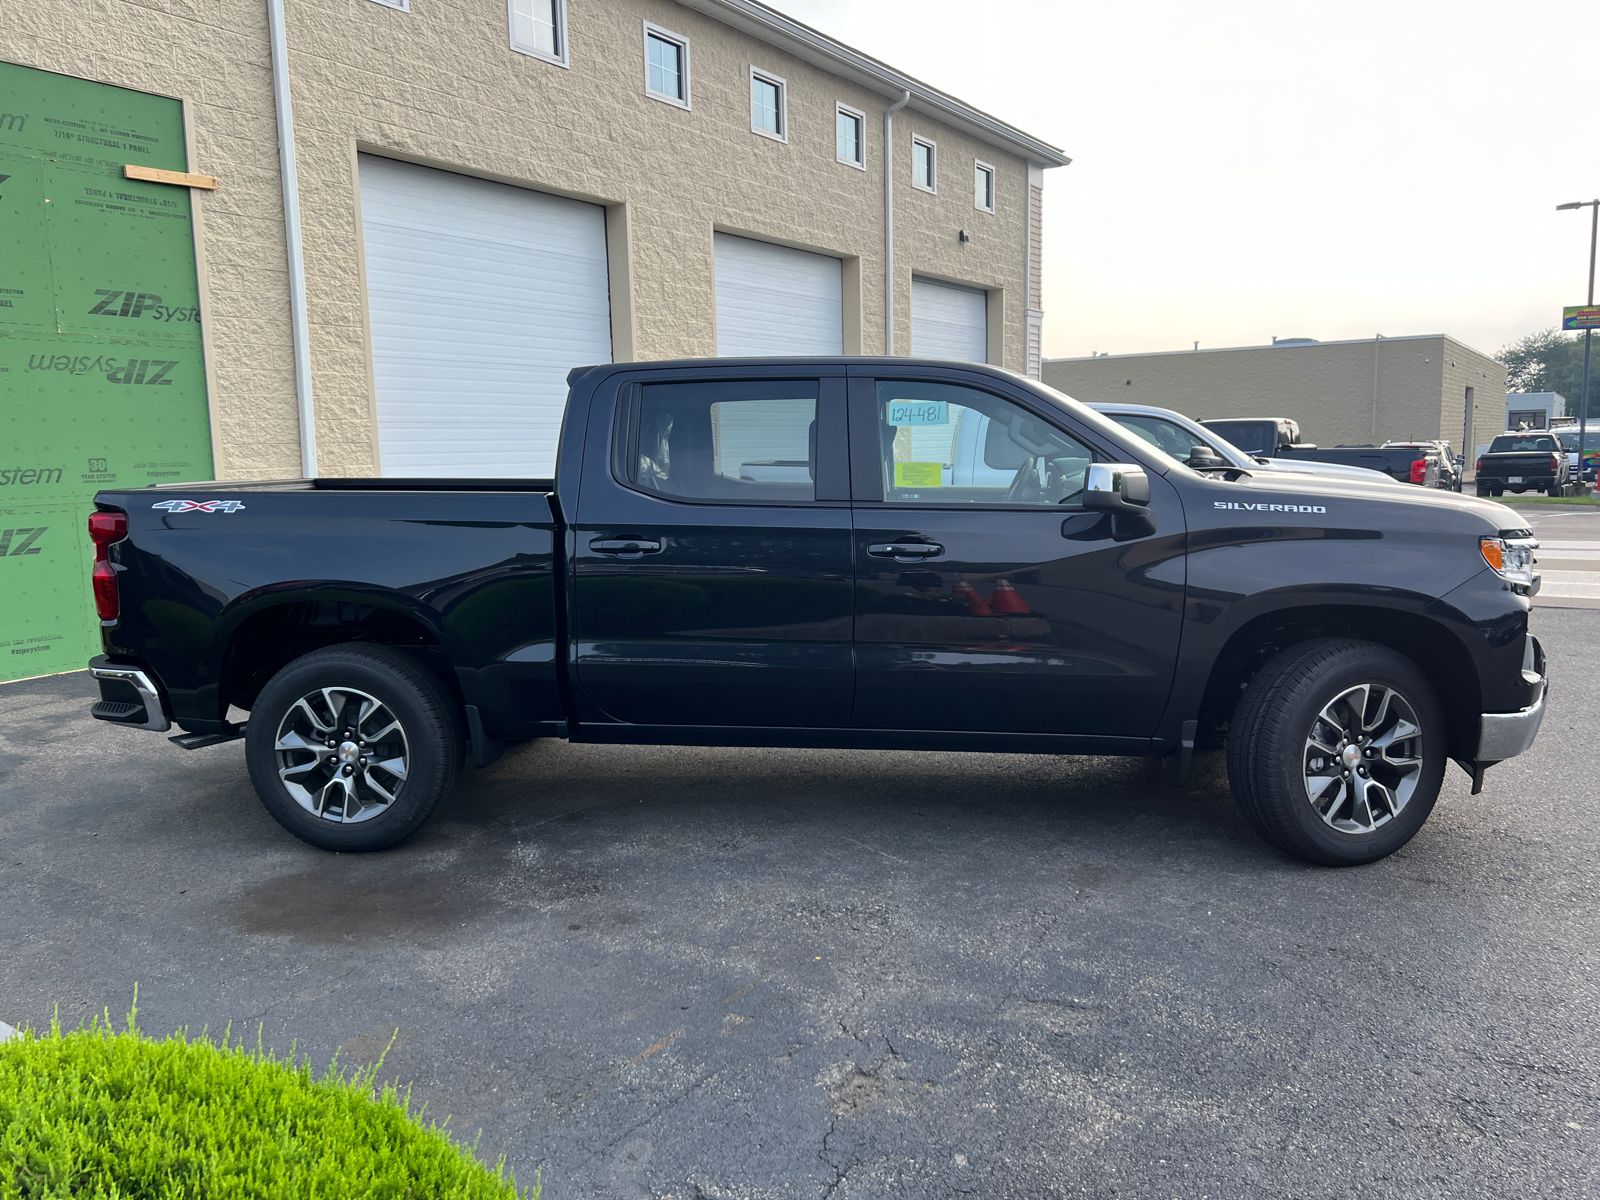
(712, 565)
(988, 599)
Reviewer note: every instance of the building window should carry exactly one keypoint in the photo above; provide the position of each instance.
(850, 136)
(666, 65)
(539, 28)
(983, 187)
(923, 166)
(767, 93)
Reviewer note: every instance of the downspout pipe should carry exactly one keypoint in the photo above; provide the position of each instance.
(299, 329)
(888, 219)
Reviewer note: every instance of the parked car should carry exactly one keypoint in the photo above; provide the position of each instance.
(1568, 437)
(1178, 436)
(1452, 466)
(1085, 593)
(1523, 462)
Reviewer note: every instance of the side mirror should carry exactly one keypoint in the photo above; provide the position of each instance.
(1116, 487)
(1201, 457)
(1123, 490)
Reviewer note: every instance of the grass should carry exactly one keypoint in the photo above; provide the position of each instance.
(1580, 501)
(119, 1116)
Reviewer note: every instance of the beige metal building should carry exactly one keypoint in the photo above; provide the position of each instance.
(493, 191)
(1352, 392)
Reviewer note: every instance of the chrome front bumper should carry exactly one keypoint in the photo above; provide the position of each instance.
(1506, 735)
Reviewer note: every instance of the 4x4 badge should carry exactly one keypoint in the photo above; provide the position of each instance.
(183, 506)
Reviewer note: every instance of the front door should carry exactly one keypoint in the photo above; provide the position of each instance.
(989, 600)
(713, 579)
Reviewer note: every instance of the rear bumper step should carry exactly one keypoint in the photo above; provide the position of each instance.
(128, 697)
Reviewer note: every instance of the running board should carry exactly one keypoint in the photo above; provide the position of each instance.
(199, 741)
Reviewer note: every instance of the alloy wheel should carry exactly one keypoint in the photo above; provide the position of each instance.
(1363, 758)
(342, 754)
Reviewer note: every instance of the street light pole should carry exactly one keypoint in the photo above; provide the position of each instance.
(1583, 403)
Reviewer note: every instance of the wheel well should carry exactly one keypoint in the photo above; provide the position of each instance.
(268, 640)
(1427, 643)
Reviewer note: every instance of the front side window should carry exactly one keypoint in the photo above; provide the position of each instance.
(734, 443)
(956, 446)
(537, 28)
(922, 164)
(766, 105)
(666, 65)
(983, 187)
(851, 145)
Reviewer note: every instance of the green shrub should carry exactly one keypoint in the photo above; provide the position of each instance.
(97, 1113)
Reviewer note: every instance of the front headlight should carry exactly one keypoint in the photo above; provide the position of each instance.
(1512, 558)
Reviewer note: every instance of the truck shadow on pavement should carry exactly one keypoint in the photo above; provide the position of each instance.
(552, 827)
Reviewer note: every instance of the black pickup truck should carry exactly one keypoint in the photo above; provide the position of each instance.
(1523, 462)
(1279, 437)
(781, 553)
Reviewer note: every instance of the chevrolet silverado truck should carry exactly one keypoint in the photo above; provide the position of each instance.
(770, 552)
(1523, 462)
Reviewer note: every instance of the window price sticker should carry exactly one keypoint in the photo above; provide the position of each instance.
(918, 474)
(919, 412)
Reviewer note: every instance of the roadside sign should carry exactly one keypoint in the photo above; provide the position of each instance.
(1581, 316)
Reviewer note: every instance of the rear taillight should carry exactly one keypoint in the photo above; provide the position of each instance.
(1555, 464)
(105, 528)
(1419, 470)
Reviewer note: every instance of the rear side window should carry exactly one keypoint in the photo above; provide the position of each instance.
(734, 443)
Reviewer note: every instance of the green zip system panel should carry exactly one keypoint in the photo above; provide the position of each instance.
(102, 375)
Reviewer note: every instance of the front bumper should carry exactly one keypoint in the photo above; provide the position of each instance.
(1506, 735)
(128, 697)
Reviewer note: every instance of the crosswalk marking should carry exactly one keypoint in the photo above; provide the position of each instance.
(1570, 585)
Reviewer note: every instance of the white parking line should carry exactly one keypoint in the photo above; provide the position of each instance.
(1570, 585)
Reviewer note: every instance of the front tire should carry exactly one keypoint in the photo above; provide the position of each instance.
(352, 747)
(1337, 752)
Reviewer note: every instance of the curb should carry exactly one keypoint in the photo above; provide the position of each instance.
(7, 1033)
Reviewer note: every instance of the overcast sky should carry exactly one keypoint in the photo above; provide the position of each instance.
(1246, 168)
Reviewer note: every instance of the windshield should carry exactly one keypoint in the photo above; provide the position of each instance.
(1527, 443)
(1113, 433)
(1591, 441)
(1176, 440)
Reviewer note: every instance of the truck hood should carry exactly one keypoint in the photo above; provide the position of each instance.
(1414, 507)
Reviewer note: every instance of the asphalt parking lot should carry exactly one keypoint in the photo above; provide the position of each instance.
(648, 972)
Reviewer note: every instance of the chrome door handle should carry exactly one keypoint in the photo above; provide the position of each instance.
(906, 549)
(625, 547)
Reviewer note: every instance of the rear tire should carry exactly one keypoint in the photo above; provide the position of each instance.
(1318, 716)
(352, 747)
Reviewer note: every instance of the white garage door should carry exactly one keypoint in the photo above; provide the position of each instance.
(949, 322)
(481, 298)
(774, 300)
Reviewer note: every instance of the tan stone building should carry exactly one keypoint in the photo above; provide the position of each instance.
(490, 193)
(1352, 392)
